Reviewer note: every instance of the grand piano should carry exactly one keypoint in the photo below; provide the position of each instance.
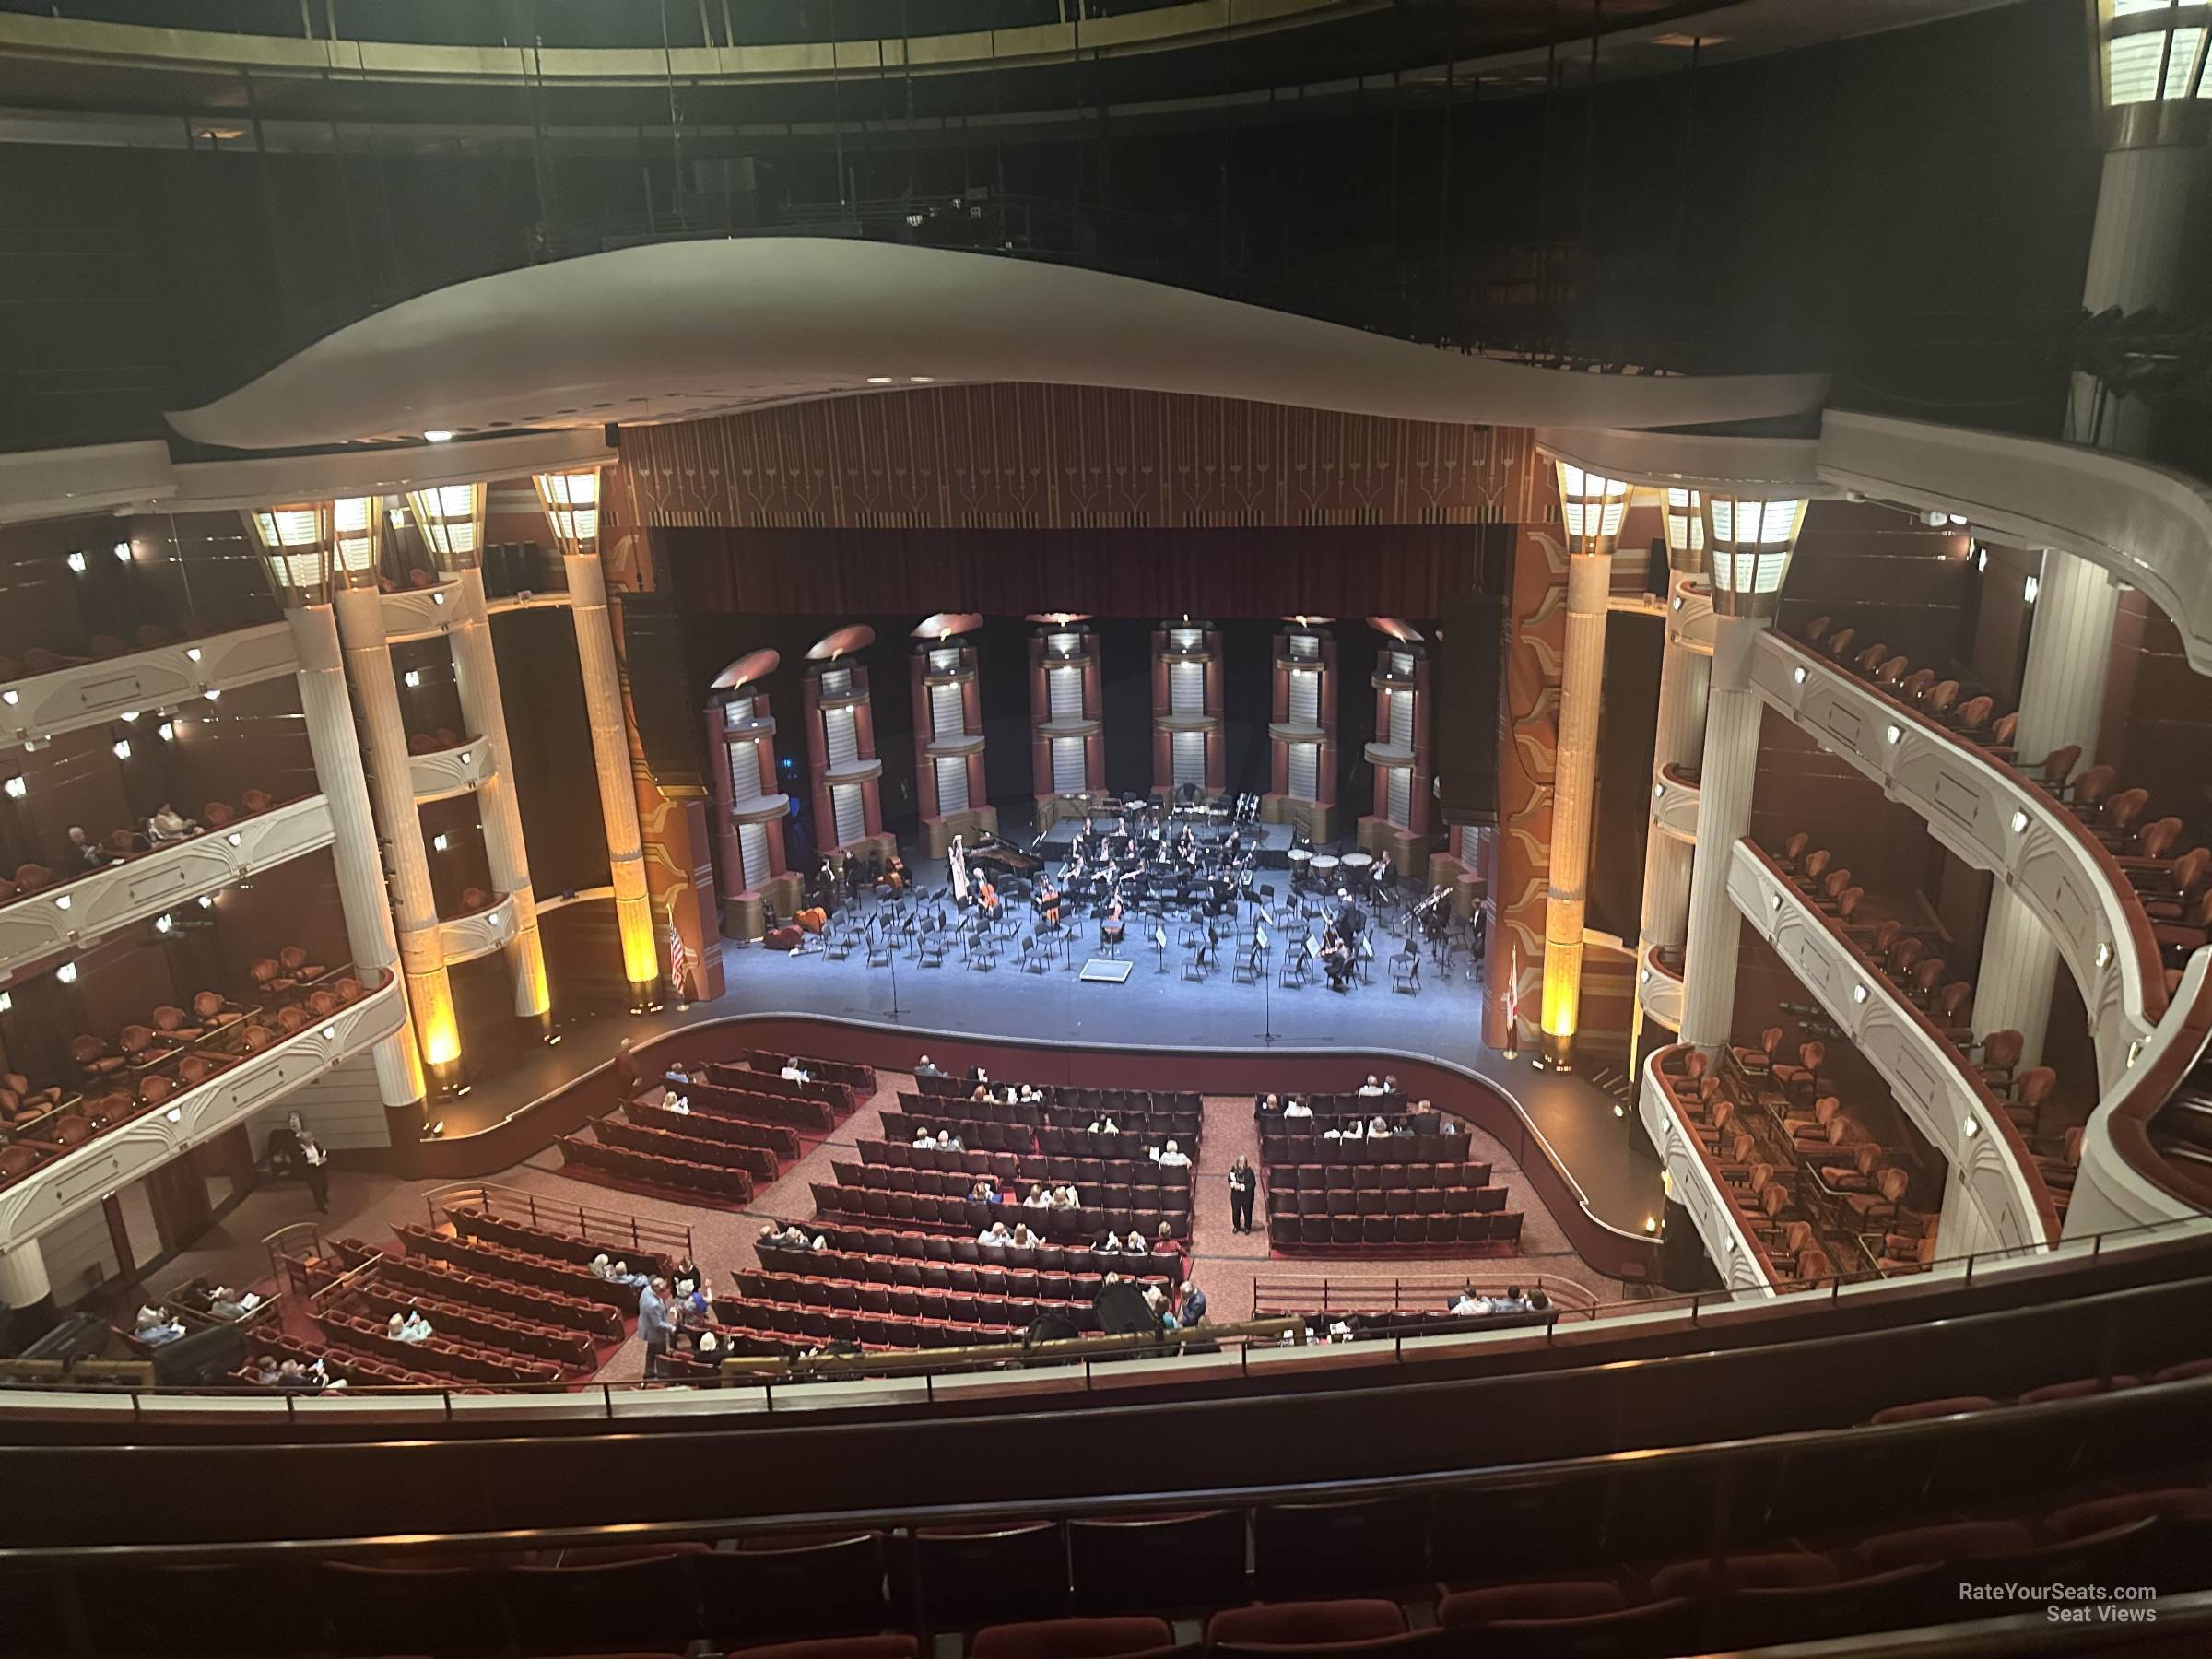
(1002, 858)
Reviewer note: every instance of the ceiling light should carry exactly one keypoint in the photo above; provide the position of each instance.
(76, 560)
(1981, 560)
(16, 788)
(920, 380)
(879, 379)
(450, 518)
(1591, 506)
(123, 552)
(213, 694)
(122, 748)
(164, 922)
(66, 974)
(571, 504)
(438, 435)
(2019, 822)
(2031, 588)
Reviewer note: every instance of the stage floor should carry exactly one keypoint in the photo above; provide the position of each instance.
(1604, 1151)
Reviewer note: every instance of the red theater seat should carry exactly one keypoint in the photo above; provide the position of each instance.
(1296, 1623)
(1072, 1639)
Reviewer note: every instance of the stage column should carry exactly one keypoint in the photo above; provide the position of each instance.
(26, 1296)
(1679, 745)
(610, 760)
(360, 618)
(476, 677)
(1518, 880)
(1593, 508)
(1748, 542)
(363, 899)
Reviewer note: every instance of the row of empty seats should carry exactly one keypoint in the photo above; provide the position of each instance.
(897, 1166)
(662, 1140)
(1498, 1232)
(684, 1175)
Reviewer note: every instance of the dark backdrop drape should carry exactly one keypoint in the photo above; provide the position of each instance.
(1397, 570)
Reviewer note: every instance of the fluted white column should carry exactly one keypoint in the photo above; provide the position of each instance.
(1574, 784)
(354, 854)
(392, 792)
(610, 756)
(1729, 771)
(1678, 740)
(23, 1279)
(476, 677)
(2134, 257)
(2062, 702)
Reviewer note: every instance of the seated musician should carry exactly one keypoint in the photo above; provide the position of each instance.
(1048, 900)
(1381, 875)
(894, 871)
(1336, 959)
(1111, 925)
(986, 895)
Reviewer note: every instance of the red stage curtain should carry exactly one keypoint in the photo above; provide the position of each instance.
(1353, 570)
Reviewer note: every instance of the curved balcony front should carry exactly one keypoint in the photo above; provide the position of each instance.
(2126, 1178)
(1694, 1181)
(57, 919)
(1388, 753)
(759, 809)
(1944, 1097)
(859, 769)
(421, 612)
(84, 694)
(958, 744)
(86, 1173)
(1998, 819)
(1689, 615)
(1675, 797)
(478, 934)
(1660, 987)
(443, 774)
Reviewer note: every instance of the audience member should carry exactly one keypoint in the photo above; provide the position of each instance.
(1037, 1199)
(1067, 1197)
(1109, 1245)
(1539, 1300)
(156, 1326)
(1369, 1089)
(1377, 1127)
(88, 853)
(167, 825)
(1264, 1108)
(794, 1073)
(1390, 1083)
(1172, 1157)
(1193, 1303)
(653, 1323)
(997, 1236)
(1103, 1125)
(1296, 1108)
(1468, 1305)
(926, 1067)
(1134, 1244)
(984, 1191)
(1024, 1239)
(265, 1369)
(1243, 1187)
(226, 1303)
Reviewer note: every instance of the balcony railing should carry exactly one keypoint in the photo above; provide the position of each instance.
(87, 1172)
(97, 903)
(1998, 820)
(1696, 1184)
(1943, 1095)
(87, 694)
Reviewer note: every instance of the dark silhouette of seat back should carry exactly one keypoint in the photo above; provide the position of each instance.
(1158, 1562)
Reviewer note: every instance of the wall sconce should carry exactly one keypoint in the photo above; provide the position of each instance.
(77, 562)
(66, 974)
(122, 747)
(2031, 588)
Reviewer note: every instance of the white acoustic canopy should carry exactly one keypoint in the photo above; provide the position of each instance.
(683, 329)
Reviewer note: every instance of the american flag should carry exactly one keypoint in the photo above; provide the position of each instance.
(679, 959)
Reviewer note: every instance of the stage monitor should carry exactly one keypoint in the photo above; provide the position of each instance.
(1470, 693)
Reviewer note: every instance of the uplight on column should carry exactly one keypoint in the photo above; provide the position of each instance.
(571, 504)
(296, 542)
(450, 517)
(1593, 507)
(1748, 542)
(357, 531)
(1685, 516)
(2150, 70)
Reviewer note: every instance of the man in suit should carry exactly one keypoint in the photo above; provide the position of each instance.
(1193, 1307)
(656, 1325)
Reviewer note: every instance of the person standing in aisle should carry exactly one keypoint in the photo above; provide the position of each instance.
(1243, 1188)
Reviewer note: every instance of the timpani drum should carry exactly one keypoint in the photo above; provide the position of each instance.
(1357, 864)
(1324, 867)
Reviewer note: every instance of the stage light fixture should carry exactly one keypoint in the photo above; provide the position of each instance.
(1593, 507)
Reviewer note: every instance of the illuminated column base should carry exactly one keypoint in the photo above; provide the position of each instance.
(476, 677)
(356, 859)
(1730, 770)
(1574, 782)
(618, 795)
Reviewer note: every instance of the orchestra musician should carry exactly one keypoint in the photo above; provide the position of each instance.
(894, 871)
(1111, 927)
(986, 895)
(1048, 900)
(1336, 959)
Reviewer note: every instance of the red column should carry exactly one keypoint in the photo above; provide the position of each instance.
(1280, 705)
(777, 863)
(1217, 762)
(1279, 767)
(1163, 760)
(1094, 760)
(1325, 772)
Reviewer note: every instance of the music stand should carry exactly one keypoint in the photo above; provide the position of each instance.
(1159, 949)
